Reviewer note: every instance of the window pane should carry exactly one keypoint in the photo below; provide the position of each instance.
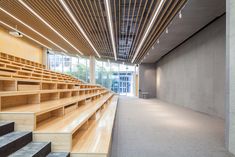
(99, 72)
(67, 64)
(58, 63)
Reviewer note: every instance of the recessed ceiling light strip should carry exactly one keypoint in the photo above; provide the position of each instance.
(128, 25)
(48, 25)
(115, 24)
(31, 28)
(140, 20)
(139, 29)
(3, 23)
(166, 18)
(106, 29)
(148, 29)
(87, 23)
(158, 25)
(107, 6)
(94, 19)
(123, 26)
(78, 25)
(101, 18)
(131, 25)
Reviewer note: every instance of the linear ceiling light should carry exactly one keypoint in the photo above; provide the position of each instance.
(148, 30)
(3, 23)
(31, 28)
(78, 25)
(107, 6)
(38, 16)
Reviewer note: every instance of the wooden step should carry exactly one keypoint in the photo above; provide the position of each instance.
(59, 130)
(26, 115)
(73, 120)
(96, 140)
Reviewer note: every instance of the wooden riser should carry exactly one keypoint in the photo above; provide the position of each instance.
(23, 121)
(60, 142)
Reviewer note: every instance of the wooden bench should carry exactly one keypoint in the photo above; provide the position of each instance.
(27, 115)
(60, 130)
(15, 67)
(19, 84)
(96, 140)
(20, 60)
(57, 107)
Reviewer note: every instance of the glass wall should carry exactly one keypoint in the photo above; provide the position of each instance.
(76, 66)
(120, 78)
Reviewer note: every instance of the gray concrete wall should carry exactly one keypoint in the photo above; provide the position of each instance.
(230, 76)
(147, 79)
(193, 75)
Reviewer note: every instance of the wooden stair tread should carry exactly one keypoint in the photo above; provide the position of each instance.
(70, 122)
(97, 139)
(12, 93)
(48, 105)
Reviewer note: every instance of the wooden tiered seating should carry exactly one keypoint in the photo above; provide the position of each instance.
(96, 140)
(58, 108)
(15, 67)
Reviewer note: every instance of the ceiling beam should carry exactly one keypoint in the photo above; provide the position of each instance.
(79, 26)
(110, 22)
(48, 25)
(160, 5)
(29, 27)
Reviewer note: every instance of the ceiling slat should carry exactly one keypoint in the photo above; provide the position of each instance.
(130, 21)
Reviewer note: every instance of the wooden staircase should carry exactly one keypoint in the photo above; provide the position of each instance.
(60, 110)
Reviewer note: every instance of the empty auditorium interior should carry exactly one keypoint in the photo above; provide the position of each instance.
(117, 78)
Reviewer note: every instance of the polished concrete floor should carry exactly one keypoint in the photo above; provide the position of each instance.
(152, 128)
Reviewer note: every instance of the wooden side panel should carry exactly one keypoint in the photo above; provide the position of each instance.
(70, 108)
(23, 121)
(28, 87)
(60, 142)
(10, 101)
(7, 85)
(49, 96)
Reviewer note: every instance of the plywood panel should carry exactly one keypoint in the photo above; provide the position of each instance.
(23, 121)
(60, 142)
(20, 47)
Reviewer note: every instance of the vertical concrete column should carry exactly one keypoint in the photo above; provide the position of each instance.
(230, 76)
(44, 57)
(92, 69)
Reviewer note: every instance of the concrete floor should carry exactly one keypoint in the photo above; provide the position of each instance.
(152, 128)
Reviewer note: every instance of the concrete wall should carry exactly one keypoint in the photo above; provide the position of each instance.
(147, 79)
(193, 75)
(230, 76)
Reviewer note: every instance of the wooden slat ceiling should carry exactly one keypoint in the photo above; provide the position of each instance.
(130, 18)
